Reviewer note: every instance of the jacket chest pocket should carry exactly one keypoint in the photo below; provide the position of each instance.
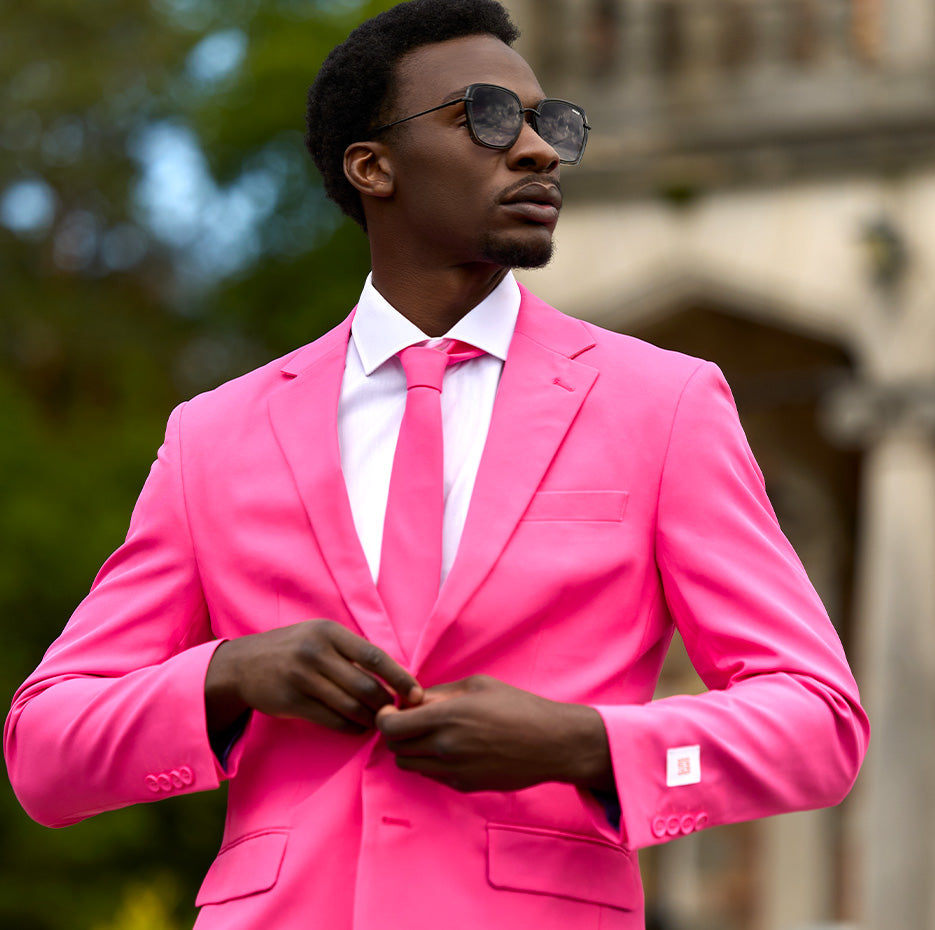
(577, 506)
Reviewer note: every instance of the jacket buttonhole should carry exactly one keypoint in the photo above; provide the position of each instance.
(397, 821)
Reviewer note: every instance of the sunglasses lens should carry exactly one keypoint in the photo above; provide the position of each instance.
(562, 125)
(496, 116)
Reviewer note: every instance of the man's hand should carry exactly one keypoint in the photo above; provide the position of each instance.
(317, 670)
(480, 734)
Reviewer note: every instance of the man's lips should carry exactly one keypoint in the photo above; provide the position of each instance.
(536, 201)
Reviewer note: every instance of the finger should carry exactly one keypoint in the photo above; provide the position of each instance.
(357, 682)
(320, 699)
(378, 663)
(407, 723)
(386, 711)
(420, 747)
(314, 711)
(325, 717)
(445, 692)
(437, 770)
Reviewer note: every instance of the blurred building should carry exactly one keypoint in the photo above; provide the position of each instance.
(759, 189)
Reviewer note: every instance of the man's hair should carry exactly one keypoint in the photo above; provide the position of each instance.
(356, 86)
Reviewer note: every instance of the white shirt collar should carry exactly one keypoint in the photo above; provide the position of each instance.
(380, 331)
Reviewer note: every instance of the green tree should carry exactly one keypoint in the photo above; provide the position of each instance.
(161, 229)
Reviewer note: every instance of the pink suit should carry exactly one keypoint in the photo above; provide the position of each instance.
(616, 499)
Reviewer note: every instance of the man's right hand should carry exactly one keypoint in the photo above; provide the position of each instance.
(317, 670)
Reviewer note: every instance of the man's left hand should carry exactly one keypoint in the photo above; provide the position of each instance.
(481, 734)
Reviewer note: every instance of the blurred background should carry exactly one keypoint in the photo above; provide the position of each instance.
(759, 189)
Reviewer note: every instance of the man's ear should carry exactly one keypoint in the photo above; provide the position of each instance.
(367, 166)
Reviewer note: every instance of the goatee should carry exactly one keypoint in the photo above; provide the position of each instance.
(512, 253)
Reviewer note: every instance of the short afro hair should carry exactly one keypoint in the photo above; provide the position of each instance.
(356, 83)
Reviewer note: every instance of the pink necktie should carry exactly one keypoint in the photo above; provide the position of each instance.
(411, 554)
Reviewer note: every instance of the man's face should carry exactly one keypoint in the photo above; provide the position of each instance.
(459, 202)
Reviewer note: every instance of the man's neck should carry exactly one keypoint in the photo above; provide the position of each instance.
(435, 300)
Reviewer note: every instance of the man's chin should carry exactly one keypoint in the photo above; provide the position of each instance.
(518, 253)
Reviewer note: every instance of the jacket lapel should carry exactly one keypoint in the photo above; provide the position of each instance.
(541, 390)
(303, 413)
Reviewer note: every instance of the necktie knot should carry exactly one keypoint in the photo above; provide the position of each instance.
(425, 365)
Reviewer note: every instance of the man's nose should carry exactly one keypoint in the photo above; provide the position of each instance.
(531, 151)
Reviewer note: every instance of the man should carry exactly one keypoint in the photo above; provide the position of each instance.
(492, 757)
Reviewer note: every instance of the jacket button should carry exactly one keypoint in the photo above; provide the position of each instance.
(701, 821)
(687, 824)
(165, 783)
(673, 825)
(176, 776)
(187, 775)
(659, 827)
(152, 783)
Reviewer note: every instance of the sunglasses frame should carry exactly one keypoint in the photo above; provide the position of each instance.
(468, 101)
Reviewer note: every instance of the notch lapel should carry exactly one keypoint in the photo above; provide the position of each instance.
(303, 413)
(541, 391)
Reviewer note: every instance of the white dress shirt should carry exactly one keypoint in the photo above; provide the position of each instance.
(373, 398)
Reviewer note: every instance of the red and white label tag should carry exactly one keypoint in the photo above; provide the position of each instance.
(683, 766)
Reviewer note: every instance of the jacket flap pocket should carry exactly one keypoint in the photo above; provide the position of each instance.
(595, 506)
(246, 866)
(562, 864)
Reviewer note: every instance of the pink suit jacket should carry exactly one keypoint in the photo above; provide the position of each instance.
(616, 500)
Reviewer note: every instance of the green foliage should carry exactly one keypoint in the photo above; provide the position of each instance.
(147, 905)
(106, 322)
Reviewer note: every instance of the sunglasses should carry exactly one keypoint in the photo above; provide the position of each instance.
(495, 118)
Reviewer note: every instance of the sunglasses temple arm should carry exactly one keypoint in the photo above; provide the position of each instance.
(405, 119)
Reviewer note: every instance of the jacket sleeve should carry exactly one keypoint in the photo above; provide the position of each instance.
(781, 727)
(114, 714)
